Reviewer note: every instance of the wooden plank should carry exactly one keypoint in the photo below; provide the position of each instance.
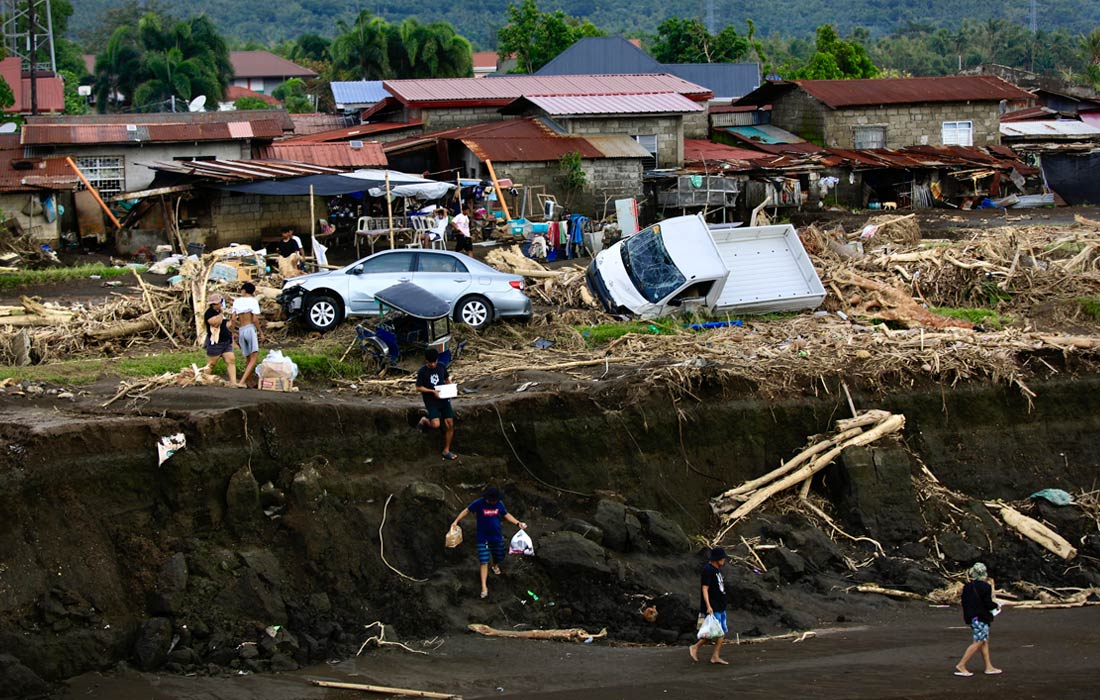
(385, 690)
(496, 188)
(142, 194)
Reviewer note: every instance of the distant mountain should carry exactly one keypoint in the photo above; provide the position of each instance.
(269, 22)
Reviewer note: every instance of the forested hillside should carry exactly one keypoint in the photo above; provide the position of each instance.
(269, 22)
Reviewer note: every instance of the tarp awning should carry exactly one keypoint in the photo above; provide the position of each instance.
(323, 185)
(401, 184)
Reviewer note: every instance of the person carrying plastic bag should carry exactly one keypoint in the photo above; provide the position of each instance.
(490, 511)
(712, 607)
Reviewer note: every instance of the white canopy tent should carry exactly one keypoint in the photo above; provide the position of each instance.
(402, 184)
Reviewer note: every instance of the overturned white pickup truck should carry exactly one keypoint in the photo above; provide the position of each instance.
(682, 264)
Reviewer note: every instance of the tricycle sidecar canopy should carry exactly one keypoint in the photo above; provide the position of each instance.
(413, 300)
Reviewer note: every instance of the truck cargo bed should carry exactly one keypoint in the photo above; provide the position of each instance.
(769, 271)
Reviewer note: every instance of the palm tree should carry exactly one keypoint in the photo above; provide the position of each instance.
(118, 69)
(173, 75)
(360, 50)
(429, 51)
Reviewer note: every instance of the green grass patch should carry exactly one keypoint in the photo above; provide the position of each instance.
(987, 318)
(606, 332)
(50, 275)
(1090, 306)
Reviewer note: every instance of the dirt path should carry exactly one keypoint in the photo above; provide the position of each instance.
(1049, 654)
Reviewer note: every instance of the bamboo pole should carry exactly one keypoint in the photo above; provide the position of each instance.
(385, 690)
(496, 188)
(93, 190)
(389, 209)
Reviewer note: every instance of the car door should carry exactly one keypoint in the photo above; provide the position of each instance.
(444, 275)
(378, 272)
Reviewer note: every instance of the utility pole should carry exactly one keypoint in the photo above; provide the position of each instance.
(711, 23)
(1034, 24)
(32, 38)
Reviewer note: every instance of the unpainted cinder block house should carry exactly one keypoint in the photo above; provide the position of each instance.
(891, 112)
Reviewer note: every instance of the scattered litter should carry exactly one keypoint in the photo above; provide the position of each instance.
(169, 445)
(525, 386)
(1057, 497)
(542, 343)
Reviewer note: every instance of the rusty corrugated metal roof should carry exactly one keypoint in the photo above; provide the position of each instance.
(644, 103)
(264, 64)
(34, 173)
(241, 115)
(241, 170)
(138, 131)
(501, 91)
(331, 155)
(884, 91)
(352, 133)
(698, 150)
(618, 146)
(512, 140)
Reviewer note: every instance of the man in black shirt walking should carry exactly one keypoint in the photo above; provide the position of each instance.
(428, 378)
(713, 602)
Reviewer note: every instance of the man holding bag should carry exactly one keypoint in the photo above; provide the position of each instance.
(712, 607)
(489, 510)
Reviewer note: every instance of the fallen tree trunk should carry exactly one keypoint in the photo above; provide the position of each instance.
(35, 320)
(124, 330)
(891, 425)
(891, 592)
(568, 635)
(1035, 531)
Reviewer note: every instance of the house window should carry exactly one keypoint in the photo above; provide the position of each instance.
(106, 173)
(958, 133)
(869, 137)
(648, 142)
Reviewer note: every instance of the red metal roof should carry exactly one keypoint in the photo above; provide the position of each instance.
(699, 150)
(51, 89)
(241, 170)
(1029, 114)
(883, 91)
(43, 173)
(264, 64)
(514, 140)
(145, 118)
(354, 132)
(503, 90)
(485, 60)
(331, 155)
(236, 92)
(648, 103)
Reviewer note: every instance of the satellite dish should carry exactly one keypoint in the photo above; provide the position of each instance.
(8, 127)
(197, 105)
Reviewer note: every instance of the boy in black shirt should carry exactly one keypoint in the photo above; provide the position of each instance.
(430, 376)
(713, 602)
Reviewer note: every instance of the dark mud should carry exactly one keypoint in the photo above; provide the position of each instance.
(271, 516)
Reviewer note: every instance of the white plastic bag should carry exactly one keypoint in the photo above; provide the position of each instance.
(521, 544)
(277, 366)
(710, 629)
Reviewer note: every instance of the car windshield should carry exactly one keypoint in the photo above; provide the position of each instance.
(649, 266)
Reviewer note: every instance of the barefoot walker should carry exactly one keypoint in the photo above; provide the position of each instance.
(978, 610)
(490, 540)
(713, 602)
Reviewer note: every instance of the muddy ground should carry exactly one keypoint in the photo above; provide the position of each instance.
(907, 652)
(251, 560)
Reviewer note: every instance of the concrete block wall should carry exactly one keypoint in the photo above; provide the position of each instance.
(245, 218)
(913, 124)
(453, 117)
(619, 175)
(669, 131)
(697, 124)
(800, 114)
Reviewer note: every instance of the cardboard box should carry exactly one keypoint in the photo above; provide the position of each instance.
(277, 384)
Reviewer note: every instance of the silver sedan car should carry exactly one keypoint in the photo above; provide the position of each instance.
(476, 292)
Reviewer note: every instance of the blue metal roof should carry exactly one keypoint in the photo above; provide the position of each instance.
(601, 54)
(764, 133)
(725, 80)
(614, 54)
(357, 92)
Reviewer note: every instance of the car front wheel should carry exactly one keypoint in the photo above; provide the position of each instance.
(323, 313)
(475, 312)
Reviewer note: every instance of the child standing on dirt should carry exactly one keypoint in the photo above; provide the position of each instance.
(428, 378)
(490, 539)
(978, 609)
(246, 316)
(712, 602)
(219, 339)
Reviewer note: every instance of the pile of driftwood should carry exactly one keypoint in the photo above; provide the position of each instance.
(1038, 597)
(564, 287)
(36, 332)
(735, 504)
(1014, 270)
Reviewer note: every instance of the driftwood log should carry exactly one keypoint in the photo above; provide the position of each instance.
(1035, 531)
(384, 690)
(575, 634)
